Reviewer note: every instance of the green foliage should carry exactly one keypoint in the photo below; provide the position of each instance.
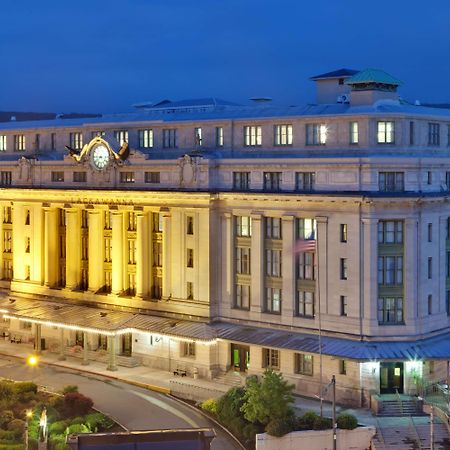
(306, 422)
(17, 426)
(279, 427)
(229, 405)
(7, 437)
(77, 428)
(322, 423)
(6, 393)
(58, 427)
(11, 447)
(98, 422)
(268, 400)
(210, 406)
(25, 386)
(5, 418)
(61, 446)
(58, 441)
(347, 421)
(69, 388)
(76, 404)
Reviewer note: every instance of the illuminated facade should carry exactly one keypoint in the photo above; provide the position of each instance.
(207, 237)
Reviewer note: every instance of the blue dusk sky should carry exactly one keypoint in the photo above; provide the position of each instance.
(105, 55)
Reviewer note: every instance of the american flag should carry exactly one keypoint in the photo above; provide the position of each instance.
(305, 245)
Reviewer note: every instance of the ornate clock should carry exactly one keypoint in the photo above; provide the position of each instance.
(100, 156)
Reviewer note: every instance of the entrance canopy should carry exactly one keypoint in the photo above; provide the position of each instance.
(113, 323)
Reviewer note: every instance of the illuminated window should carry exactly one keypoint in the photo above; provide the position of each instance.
(3, 147)
(153, 177)
(170, 138)
(145, 138)
(198, 139)
(385, 132)
(121, 136)
(20, 142)
(306, 229)
(316, 134)
(127, 177)
(343, 232)
(243, 226)
(271, 358)
(353, 132)
(303, 364)
(252, 136)
(219, 136)
(76, 140)
(273, 300)
(283, 135)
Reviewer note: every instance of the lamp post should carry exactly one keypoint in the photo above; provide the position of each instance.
(333, 383)
(28, 416)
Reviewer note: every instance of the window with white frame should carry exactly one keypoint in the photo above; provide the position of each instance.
(306, 228)
(198, 137)
(76, 140)
(390, 270)
(121, 136)
(271, 358)
(219, 136)
(283, 135)
(252, 136)
(305, 181)
(390, 232)
(243, 226)
(242, 296)
(241, 181)
(273, 263)
(272, 181)
(20, 142)
(434, 131)
(354, 133)
(145, 138)
(3, 147)
(273, 300)
(391, 181)
(303, 364)
(304, 303)
(316, 134)
(385, 132)
(390, 310)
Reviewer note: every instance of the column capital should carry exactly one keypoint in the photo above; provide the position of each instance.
(288, 217)
(369, 220)
(321, 219)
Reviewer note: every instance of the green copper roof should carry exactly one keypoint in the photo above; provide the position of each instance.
(373, 76)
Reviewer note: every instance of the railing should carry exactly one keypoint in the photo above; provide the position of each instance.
(399, 401)
(415, 433)
(380, 435)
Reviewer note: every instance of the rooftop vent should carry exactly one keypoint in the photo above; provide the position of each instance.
(260, 100)
(13, 118)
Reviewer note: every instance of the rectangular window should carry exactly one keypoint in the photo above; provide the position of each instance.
(188, 349)
(242, 300)
(316, 134)
(342, 367)
(7, 269)
(219, 136)
(189, 225)
(27, 244)
(305, 181)
(271, 358)
(153, 177)
(434, 134)
(391, 181)
(241, 181)
(189, 290)
(343, 268)
(76, 140)
(127, 177)
(198, 139)
(108, 250)
(95, 134)
(447, 180)
(20, 143)
(430, 232)
(306, 229)
(430, 268)
(7, 241)
(305, 266)
(390, 232)
(145, 138)
(273, 300)
(121, 136)
(132, 251)
(252, 136)
(390, 310)
(272, 181)
(430, 304)
(5, 178)
(343, 232)
(385, 132)
(189, 257)
(411, 133)
(273, 263)
(57, 177)
(3, 143)
(170, 138)
(37, 142)
(343, 305)
(354, 133)
(429, 177)
(157, 220)
(243, 226)
(157, 287)
(305, 304)
(390, 270)
(157, 254)
(303, 364)
(79, 177)
(243, 259)
(273, 227)
(7, 214)
(132, 221)
(448, 302)
(283, 135)
(53, 141)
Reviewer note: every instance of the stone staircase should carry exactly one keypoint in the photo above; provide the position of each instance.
(398, 408)
(123, 361)
(231, 378)
(409, 433)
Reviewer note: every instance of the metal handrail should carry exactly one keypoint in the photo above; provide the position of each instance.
(380, 430)
(399, 400)
(415, 432)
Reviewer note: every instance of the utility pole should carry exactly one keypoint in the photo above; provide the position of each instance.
(432, 428)
(333, 382)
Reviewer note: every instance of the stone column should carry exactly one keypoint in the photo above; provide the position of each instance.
(73, 248)
(51, 255)
(322, 265)
(95, 250)
(2, 248)
(85, 361)
(167, 260)
(228, 269)
(37, 338)
(117, 252)
(288, 267)
(411, 275)
(257, 265)
(18, 238)
(142, 269)
(62, 345)
(112, 364)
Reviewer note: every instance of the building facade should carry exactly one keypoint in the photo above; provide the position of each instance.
(203, 237)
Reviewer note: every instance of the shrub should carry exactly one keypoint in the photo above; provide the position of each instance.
(7, 436)
(77, 420)
(58, 427)
(76, 404)
(98, 422)
(58, 441)
(25, 386)
(6, 417)
(17, 426)
(229, 405)
(6, 392)
(69, 388)
(77, 428)
(210, 406)
(279, 427)
(306, 422)
(11, 447)
(322, 423)
(347, 421)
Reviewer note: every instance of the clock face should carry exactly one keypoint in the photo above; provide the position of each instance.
(100, 157)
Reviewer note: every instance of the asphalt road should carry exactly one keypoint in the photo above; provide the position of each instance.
(133, 407)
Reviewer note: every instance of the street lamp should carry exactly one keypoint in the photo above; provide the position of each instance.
(32, 361)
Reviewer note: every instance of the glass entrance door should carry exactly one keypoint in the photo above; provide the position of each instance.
(240, 357)
(126, 344)
(391, 377)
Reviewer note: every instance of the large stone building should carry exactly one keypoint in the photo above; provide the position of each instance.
(207, 237)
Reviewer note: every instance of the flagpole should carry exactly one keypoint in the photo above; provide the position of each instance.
(320, 326)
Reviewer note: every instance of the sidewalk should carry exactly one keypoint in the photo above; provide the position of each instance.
(163, 381)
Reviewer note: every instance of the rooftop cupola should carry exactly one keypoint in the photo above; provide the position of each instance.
(372, 85)
(331, 87)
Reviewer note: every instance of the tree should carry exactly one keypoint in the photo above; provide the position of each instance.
(271, 399)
